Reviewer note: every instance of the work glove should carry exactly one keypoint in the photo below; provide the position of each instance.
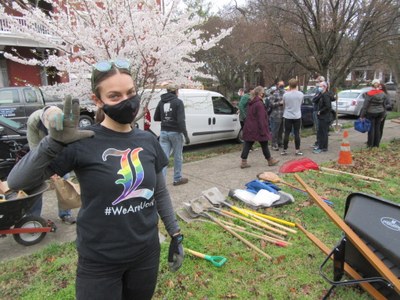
(187, 141)
(176, 253)
(52, 117)
(68, 132)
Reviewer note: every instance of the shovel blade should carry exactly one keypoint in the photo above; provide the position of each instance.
(214, 195)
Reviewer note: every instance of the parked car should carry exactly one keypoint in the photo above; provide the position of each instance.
(209, 116)
(391, 90)
(350, 102)
(307, 111)
(13, 145)
(18, 103)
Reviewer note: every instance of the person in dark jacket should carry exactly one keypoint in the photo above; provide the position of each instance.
(387, 103)
(256, 129)
(171, 112)
(324, 118)
(374, 109)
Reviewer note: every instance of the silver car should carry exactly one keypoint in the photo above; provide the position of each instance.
(350, 102)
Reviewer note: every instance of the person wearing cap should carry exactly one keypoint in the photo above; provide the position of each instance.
(171, 112)
(37, 128)
(324, 118)
(374, 109)
(315, 101)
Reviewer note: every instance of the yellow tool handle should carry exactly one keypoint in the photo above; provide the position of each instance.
(272, 218)
(258, 223)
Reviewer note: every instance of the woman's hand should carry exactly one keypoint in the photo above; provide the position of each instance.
(66, 131)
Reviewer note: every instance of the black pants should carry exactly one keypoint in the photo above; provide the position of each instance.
(374, 134)
(323, 131)
(247, 146)
(289, 124)
(100, 281)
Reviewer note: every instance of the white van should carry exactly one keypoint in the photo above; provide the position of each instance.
(209, 116)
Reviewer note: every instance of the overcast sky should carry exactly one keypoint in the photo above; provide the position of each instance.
(218, 4)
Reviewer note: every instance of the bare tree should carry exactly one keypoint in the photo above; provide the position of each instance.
(329, 37)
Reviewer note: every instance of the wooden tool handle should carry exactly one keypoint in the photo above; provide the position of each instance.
(256, 223)
(353, 237)
(274, 223)
(248, 243)
(253, 215)
(349, 270)
(291, 224)
(195, 253)
(351, 174)
(266, 238)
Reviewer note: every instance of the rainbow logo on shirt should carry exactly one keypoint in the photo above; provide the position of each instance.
(130, 185)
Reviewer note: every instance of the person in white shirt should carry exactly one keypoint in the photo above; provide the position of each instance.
(292, 101)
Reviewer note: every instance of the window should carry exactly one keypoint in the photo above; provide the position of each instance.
(222, 106)
(348, 94)
(8, 96)
(307, 101)
(30, 96)
(3, 73)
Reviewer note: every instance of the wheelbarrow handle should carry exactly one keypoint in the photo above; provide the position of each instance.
(217, 261)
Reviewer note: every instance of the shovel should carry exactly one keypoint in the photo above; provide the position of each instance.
(198, 209)
(217, 261)
(216, 197)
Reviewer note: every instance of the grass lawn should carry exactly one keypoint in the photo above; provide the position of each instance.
(293, 272)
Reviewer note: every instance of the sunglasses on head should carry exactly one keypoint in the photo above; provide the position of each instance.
(106, 65)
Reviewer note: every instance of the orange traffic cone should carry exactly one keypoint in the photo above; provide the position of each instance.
(345, 157)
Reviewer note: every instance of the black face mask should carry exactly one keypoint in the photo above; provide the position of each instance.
(125, 111)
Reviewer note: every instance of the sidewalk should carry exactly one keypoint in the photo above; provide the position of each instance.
(222, 172)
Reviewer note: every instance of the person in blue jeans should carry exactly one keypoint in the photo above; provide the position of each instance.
(37, 129)
(171, 112)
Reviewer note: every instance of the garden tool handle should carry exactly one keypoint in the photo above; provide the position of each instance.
(248, 243)
(280, 243)
(358, 243)
(291, 224)
(217, 261)
(257, 223)
(347, 268)
(257, 218)
(351, 174)
(195, 253)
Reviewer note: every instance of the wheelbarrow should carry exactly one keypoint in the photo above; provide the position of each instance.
(27, 230)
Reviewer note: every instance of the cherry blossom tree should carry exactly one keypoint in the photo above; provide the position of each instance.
(159, 41)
